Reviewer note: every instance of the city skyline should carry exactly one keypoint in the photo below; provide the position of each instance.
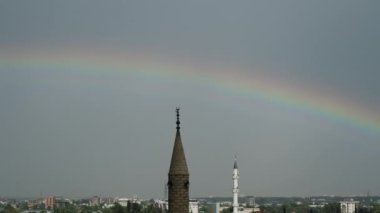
(88, 91)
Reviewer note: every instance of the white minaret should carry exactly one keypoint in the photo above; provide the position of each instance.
(235, 178)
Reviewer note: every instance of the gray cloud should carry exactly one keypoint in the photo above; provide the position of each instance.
(84, 133)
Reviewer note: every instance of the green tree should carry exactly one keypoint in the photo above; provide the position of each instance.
(134, 207)
(151, 208)
(22, 206)
(106, 210)
(66, 209)
(331, 208)
(117, 208)
(376, 208)
(85, 209)
(9, 209)
(272, 209)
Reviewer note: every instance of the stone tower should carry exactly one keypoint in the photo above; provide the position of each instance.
(178, 183)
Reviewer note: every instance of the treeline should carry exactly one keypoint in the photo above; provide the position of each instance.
(132, 208)
(116, 208)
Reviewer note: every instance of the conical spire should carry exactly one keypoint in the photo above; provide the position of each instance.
(178, 163)
(235, 163)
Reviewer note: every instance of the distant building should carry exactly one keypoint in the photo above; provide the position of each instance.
(49, 202)
(213, 208)
(348, 206)
(109, 200)
(95, 201)
(250, 201)
(122, 201)
(193, 206)
(245, 210)
(226, 203)
(52, 202)
(61, 202)
(163, 204)
(34, 203)
(256, 209)
(135, 199)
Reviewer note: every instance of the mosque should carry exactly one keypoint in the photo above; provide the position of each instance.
(178, 178)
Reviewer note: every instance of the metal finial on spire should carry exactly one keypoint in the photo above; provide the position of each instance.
(177, 110)
(235, 163)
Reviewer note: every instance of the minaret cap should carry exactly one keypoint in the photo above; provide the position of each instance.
(178, 163)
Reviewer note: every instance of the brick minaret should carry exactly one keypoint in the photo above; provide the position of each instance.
(178, 183)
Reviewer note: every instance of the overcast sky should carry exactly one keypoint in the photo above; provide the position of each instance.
(71, 127)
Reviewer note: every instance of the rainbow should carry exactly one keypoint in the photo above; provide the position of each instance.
(141, 63)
